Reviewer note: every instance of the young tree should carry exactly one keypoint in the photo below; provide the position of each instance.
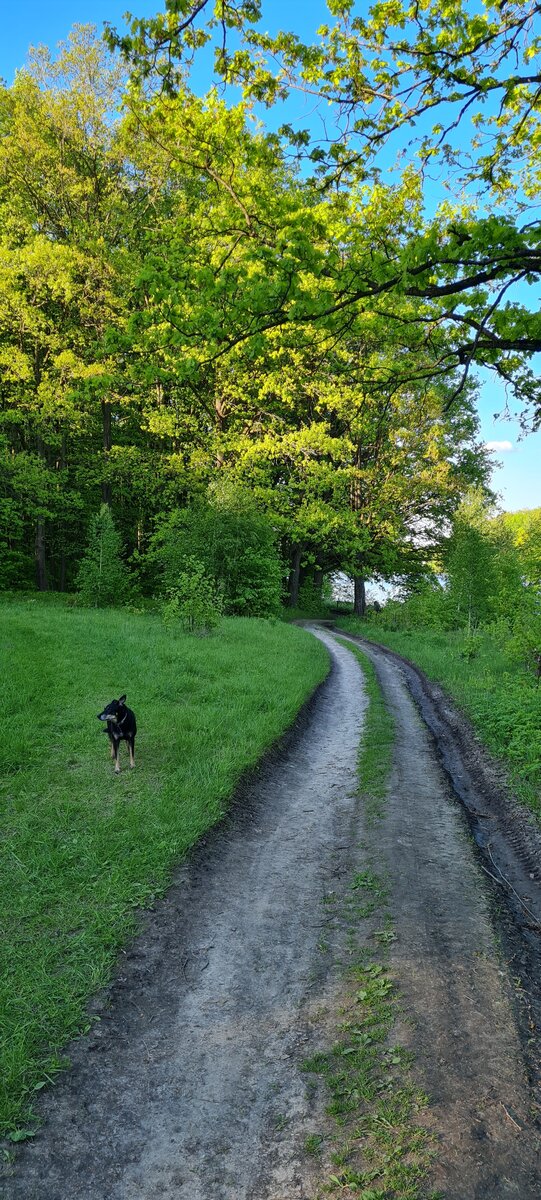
(483, 568)
(195, 600)
(103, 578)
(235, 545)
(525, 530)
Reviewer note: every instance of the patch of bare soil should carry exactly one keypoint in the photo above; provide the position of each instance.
(467, 913)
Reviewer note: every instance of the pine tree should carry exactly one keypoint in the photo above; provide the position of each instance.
(103, 578)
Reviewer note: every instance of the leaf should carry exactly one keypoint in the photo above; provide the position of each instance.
(21, 1135)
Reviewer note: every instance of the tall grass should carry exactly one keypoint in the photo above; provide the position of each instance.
(493, 688)
(80, 847)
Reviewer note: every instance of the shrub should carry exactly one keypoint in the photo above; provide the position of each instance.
(236, 546)
(195, 600)
(471, 645)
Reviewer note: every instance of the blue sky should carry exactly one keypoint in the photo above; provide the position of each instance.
(518, 477)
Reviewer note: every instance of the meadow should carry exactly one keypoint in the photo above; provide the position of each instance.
(82, 849)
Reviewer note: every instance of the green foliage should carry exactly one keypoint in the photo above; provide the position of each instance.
(187, 308)
(483, 580)
(525, 530)
(161, 337)
(384, 73)
(103, 578)
(471, 645)
(195, 601)
(311, 600)
(83, 849)
(427, 607)
(496, 687)
(523, 640)
(235, 546)
(483, 568)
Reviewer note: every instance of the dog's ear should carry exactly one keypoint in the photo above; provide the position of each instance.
(122, 699)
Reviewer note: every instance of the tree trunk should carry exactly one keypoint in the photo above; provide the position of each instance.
(39, 550)
(106, 424)
(359, 601)
(318, 581)
(219, 423)
(295, 578)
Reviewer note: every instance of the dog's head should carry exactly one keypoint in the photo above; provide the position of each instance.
(113, 711)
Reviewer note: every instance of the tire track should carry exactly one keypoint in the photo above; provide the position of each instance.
(459, 1005)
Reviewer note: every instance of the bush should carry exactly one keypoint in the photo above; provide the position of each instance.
(195, 601)
(471, 645)
(234, 544)
(311, 600)
(426, 608)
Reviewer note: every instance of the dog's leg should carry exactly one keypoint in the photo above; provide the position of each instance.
(112, 745)
(116, 748)
(131, 748)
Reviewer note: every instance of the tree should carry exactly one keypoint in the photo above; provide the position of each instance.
(267, 374)
(525, 530)
(184, 315)
(382, 74)
(483, 568)
(103, 578)
(69, 215)
(195, 600)
(388, 75)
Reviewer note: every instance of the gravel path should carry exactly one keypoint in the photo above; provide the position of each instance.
(190, 1086)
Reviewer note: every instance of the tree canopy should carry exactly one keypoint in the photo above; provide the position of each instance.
(184, 307)
(443, 92)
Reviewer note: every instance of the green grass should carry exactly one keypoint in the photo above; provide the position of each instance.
(501, 698)
(81, 849)
(377, 739)
(380, 1149)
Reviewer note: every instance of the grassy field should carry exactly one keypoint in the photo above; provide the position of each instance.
(501, 698)
(81, 848)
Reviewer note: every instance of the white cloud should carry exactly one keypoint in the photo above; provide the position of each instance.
(499, 447)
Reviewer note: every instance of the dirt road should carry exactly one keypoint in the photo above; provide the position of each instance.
(463, 1015)
(190, 1085)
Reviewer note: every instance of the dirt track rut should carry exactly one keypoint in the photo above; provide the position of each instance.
(458, 1002)
(190, 1085)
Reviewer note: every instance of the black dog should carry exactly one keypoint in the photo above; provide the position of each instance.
(121, 726)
